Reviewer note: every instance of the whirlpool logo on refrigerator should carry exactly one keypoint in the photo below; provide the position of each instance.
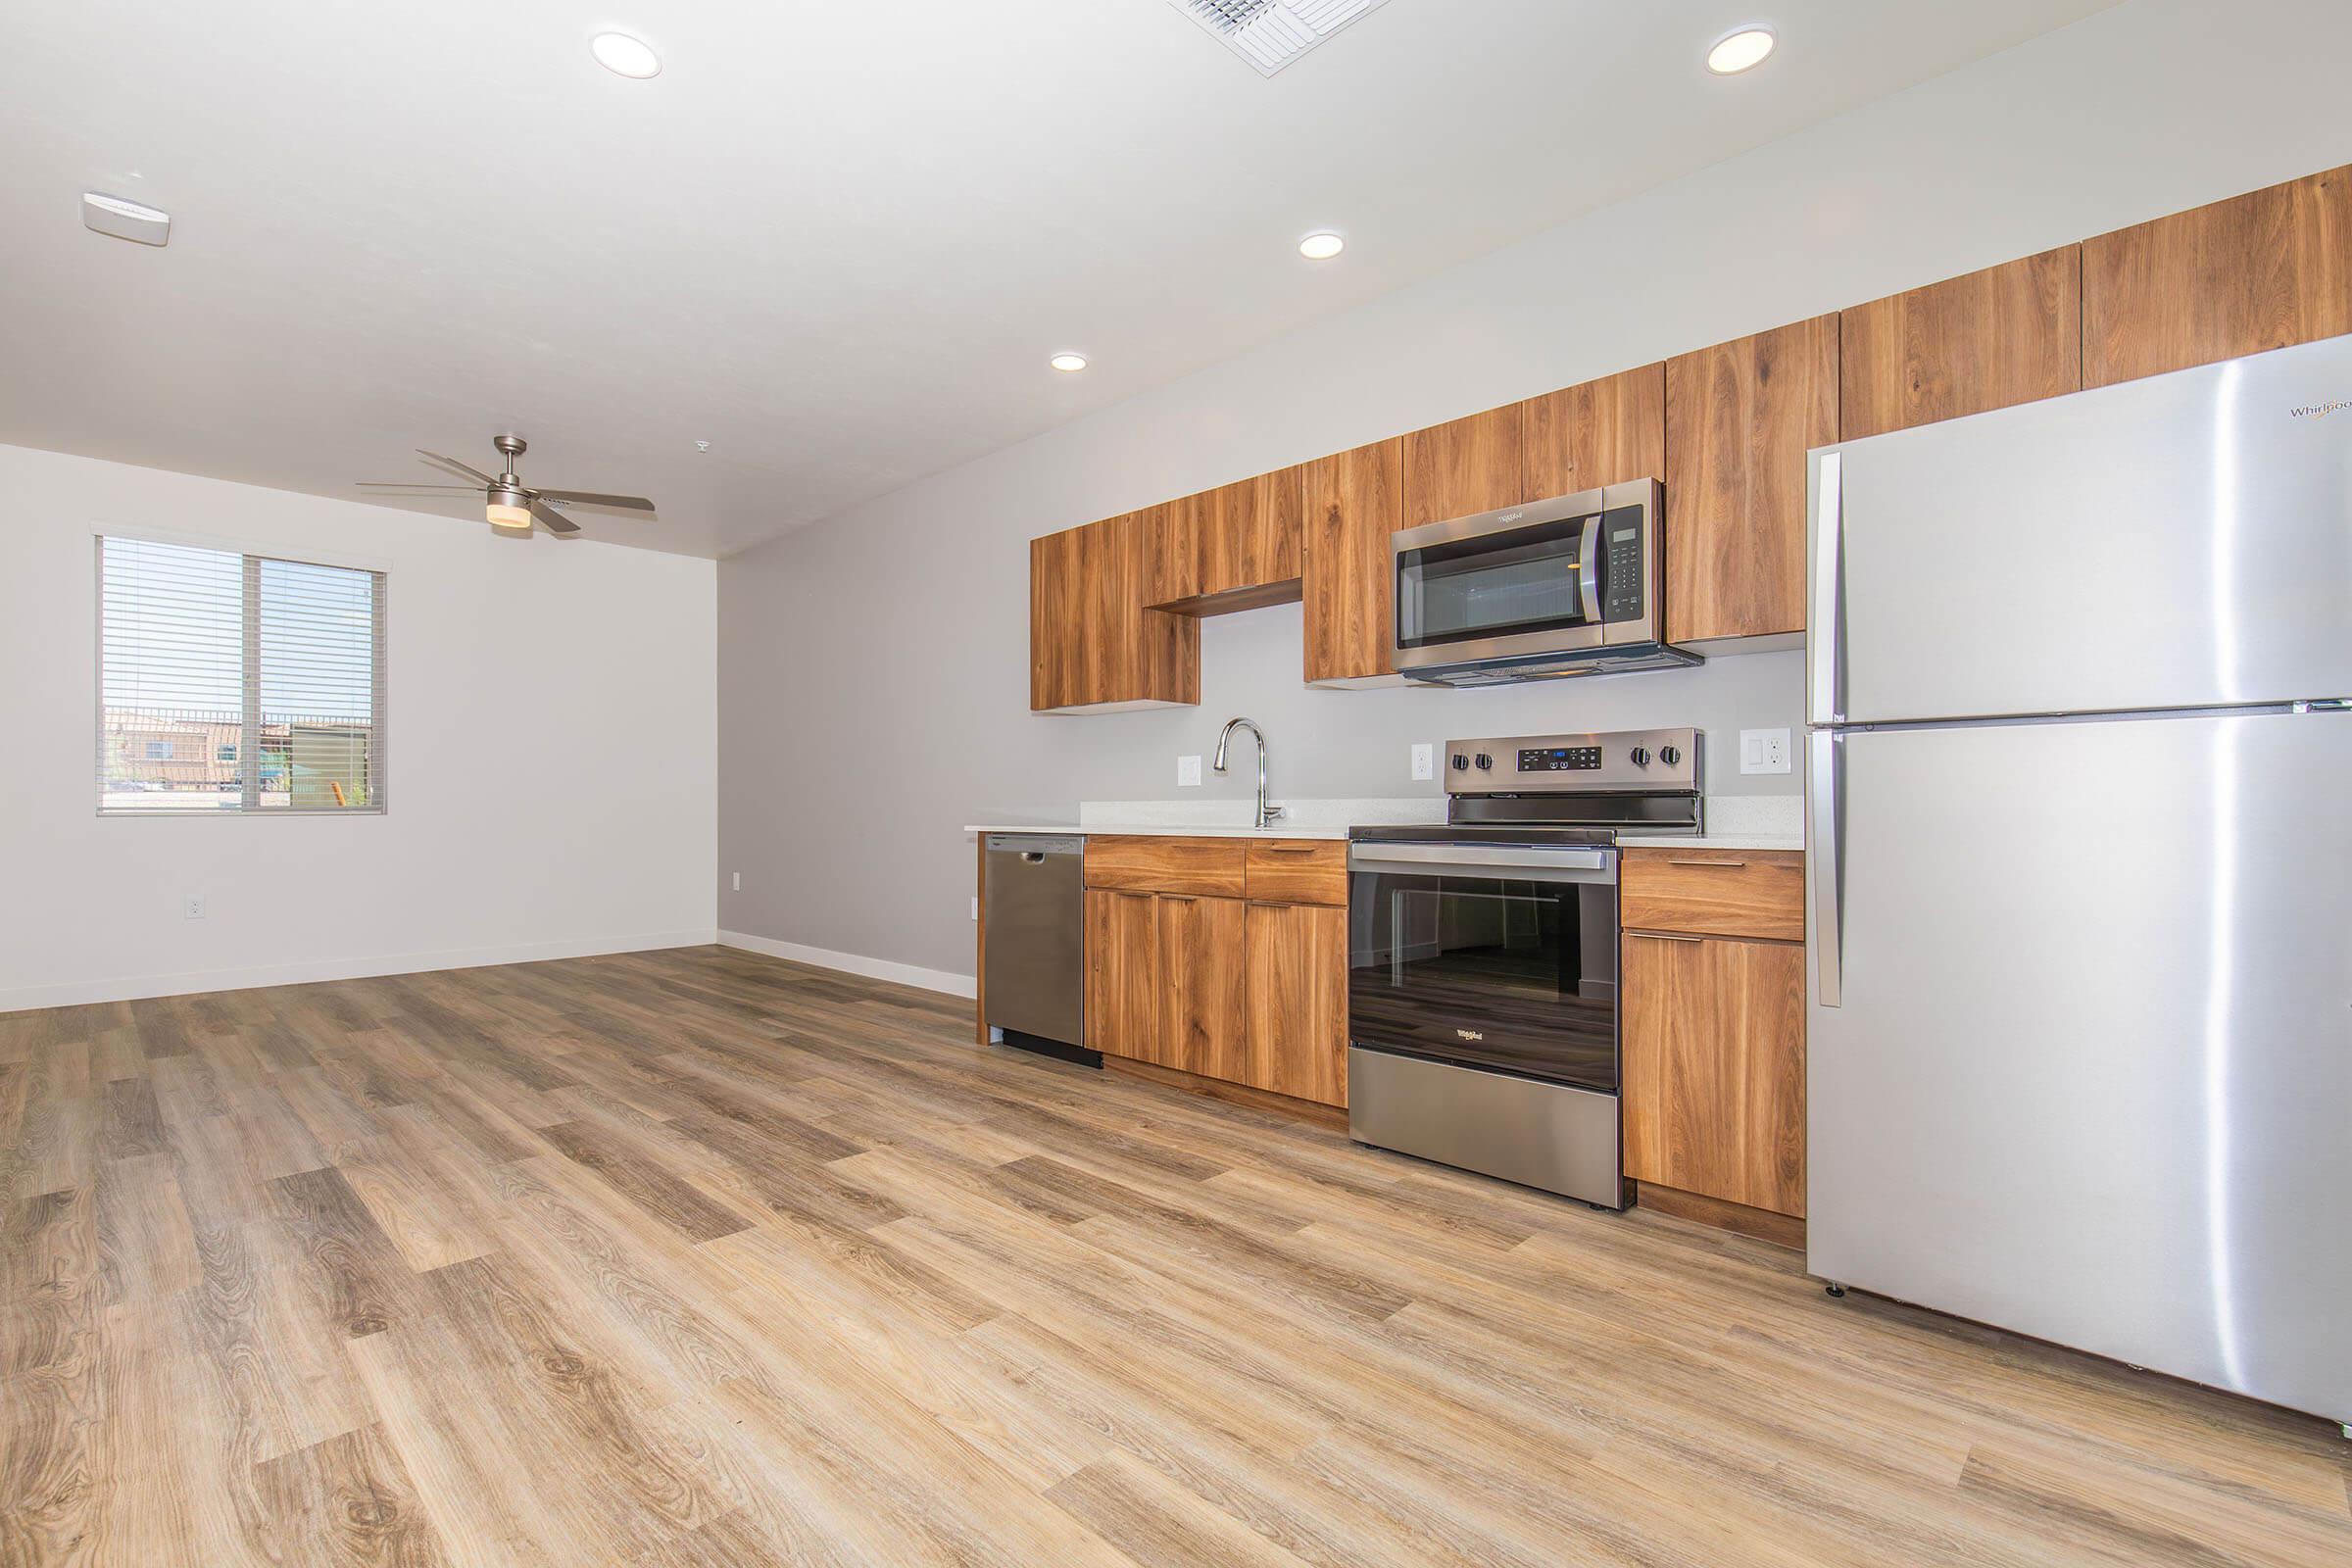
(2319, 411)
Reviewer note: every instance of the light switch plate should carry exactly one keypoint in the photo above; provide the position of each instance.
(1763, 750)
(1425, 759)
(1188, 772)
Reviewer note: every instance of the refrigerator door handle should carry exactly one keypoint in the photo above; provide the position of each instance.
(1827, 857)
(1825, 652)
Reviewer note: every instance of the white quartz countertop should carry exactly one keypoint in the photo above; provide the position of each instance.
(1734, 822)
(1164, 830)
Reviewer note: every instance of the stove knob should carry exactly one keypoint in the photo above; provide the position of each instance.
(1460, 761)
(1669, 754)
(1639, 755)
(1484, 761)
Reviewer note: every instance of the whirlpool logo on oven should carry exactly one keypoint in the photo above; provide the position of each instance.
(2319, 411)
(1471, 1034)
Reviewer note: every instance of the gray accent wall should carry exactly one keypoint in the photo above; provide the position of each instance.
(874, 668)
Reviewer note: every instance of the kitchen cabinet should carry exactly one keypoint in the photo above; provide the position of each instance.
(1183, 974)
(1122, 963)
(1601, 432)
(1199, 1027)
(1466, 467)
(2262, 270)
(2008, 335)
(1247, 545)
(1091, 642)
(1713, 1070)
(1295, 1036)
(1713, 1034)
(1740, 418)
(1352, 502)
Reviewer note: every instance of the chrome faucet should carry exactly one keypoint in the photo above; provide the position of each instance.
(1265, 814)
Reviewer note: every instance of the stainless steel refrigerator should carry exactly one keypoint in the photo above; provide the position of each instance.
(2081, 872)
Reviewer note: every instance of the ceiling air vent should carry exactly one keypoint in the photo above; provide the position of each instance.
(1271, 33)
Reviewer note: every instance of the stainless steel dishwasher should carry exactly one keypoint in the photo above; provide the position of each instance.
(1035, 968)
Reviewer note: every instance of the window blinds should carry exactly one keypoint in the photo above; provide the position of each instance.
(237, 683)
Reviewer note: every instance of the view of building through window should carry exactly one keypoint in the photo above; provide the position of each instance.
(236, 682)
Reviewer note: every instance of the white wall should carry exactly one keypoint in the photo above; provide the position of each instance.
(551, 739)
(873, 668)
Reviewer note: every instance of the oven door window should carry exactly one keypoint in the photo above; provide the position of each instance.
(1485, 971)
(1497, 585)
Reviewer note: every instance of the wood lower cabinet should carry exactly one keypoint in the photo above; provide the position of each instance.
(1723, 893)
(1740, 418)
(1250, 992)
(2262, 270)
(1198, 963)
(1294, 1041)
(1353, 503)
(1714, 1068)
(1122, 964)
(2008, 335)
(1601, 432)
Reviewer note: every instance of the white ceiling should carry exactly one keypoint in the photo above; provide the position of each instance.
(837, 241)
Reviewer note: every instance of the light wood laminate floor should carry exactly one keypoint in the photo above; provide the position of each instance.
(694, 1257)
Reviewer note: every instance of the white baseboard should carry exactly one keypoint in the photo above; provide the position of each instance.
(130, 987)
(905, 974)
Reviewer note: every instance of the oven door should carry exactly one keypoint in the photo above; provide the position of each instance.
(1498, 957)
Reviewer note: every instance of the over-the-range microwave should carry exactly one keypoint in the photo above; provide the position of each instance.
(1571, 586)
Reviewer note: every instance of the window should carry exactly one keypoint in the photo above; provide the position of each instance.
(237, 683)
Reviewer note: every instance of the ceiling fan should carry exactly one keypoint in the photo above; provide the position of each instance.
(509, 502)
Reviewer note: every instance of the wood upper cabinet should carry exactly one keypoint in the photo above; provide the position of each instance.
(1199, 1026)
(1465, 467)
(1122, 964)
(2009, 335)
(1353, 502)
(1602, 432)
(1092, 643)
(1249, 539)
(1295, 1038)
(2258, 272)
(1714, 1068)
(1740, 418)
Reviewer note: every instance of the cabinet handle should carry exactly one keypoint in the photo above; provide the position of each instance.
(1707, 862)
(1660, 936)
(1177, 898)
(1287, 849)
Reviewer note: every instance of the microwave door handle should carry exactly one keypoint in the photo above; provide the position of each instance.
(1588, 571)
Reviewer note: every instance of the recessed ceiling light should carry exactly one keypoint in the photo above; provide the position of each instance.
(1321, 246)
(625, 56)
(1741, 50)
(1069, 362)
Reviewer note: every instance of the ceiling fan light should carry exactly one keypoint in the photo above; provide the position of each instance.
(500, 515)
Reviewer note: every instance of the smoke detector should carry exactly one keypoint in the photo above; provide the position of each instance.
(1271, 33)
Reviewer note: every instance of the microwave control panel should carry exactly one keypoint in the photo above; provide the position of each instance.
(1621, 565)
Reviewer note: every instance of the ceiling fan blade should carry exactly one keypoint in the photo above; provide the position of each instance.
(591, 498)
(418, 489)
(552, 521)
(467, 469)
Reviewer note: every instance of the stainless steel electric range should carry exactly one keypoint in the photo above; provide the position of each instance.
(1481, 979)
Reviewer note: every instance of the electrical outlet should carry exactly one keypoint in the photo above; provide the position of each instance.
(193, 907)
(1425, 759)
(1188, 772)
(1763, 750)
(738, 882)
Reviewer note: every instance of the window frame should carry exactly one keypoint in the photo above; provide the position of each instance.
(250, 558)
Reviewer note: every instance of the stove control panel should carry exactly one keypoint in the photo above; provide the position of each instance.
(1663, 760)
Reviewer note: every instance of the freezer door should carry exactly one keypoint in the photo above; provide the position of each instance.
(2089, 1073)
(2181, 541)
